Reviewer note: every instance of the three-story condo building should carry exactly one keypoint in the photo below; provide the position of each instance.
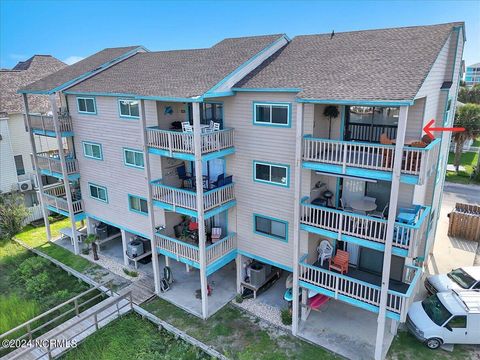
(229, 164)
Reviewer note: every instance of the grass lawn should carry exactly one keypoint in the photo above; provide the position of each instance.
(238, 335)
(24, 297)
(37, 238)
(468, 160)
(405, 347)
(132, 337)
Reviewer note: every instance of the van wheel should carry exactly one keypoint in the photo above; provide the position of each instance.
(433, 343)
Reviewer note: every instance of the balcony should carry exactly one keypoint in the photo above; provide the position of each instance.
(184, 201)
(365, 230)
(50, 164)
(369, 160)
(43, 124)
(360, 288)
(56, 201)
(180, 145)
(189, 253)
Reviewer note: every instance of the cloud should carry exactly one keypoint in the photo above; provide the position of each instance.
(73, 59)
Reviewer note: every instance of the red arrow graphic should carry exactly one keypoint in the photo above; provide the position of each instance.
(428, 129)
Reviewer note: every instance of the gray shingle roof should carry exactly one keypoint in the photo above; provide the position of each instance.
(387, 64)
(79, 68)
(179, 73)
(25, 72)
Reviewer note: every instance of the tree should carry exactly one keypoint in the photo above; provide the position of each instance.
(469, 95)
(12, 214)
(468, 117)
(91, 239)
(332, 112)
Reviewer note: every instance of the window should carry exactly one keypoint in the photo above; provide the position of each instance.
(367, 123)
(458, 322)
(98, 192)
(133, 158)
(92, 150)
(271, 114)
(270, 227)
(208, 112)
(129, 108)
(19, 164)
(86, 105)
(271, 173)
(137, 204)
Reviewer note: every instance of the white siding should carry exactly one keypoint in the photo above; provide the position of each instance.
(263, 143)
(8, 173)
(114, 133)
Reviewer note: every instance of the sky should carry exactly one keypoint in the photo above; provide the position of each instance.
(71, 29)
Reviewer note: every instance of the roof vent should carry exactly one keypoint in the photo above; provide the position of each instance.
(332, 34)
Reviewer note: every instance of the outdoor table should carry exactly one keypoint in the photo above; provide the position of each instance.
(363, 205)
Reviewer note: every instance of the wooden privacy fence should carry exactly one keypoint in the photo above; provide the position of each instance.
(465, 222)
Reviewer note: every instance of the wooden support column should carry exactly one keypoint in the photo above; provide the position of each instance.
(392, 213)
(124, 247)
(37, 169)
(238, 265)
(63, 164)
(197, 140)
(296, 214)
(151, 213)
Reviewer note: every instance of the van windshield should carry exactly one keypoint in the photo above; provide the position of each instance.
(435, 310)
(461, 278)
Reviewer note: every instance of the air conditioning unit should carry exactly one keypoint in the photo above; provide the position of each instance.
(25, 185)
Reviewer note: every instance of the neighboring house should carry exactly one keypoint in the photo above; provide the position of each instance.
(258, 172)
(472, 75)
(16, 152)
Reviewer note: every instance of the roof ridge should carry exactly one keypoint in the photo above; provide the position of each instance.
(380, 29)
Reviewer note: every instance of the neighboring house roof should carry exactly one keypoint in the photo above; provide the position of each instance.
(177, 73)
(474, 65)
(386, 64)
(79, 69)
(25, 72)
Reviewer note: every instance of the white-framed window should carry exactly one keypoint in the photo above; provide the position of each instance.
(133, 158)
(98, 192)
(274, 174)
(270, 227)
(86, 105)
(92, 150)
(271, 114)
(138, 204)
(129, 108)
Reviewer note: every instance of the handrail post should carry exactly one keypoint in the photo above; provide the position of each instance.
(131, 301)
(169, 139)
(344, 162)
(29, 330)
(49, 351)
(76, 307)
(96, 320)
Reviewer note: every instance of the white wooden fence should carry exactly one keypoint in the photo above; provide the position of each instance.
(34, 213)
(45, 122)
(51, 161)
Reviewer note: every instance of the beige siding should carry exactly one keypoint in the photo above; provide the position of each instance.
(263, 143)
(114, 133)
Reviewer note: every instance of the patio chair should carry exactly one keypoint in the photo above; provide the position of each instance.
(220, 181)
(325, 251)
(380, 214)
(183, 175)
(339, 262)
(214, 126)
(216, 234)
(228, 180)
(344, 206)
(369, 198)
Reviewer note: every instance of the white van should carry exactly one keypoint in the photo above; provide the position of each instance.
(446, 318)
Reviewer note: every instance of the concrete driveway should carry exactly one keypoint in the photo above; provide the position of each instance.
(448, 252)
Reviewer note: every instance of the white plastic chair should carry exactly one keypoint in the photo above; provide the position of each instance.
(344, 206)
(325, 251)
(216, 234)
(378, 214)
(215, 127)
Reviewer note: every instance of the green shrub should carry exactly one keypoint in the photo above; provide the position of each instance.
(286, 317)
(31, 267)
(131, 273)
(239, 298)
